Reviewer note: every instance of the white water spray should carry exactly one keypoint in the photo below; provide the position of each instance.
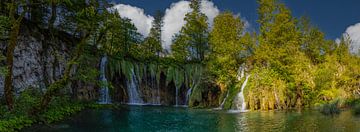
(104, 92)
(223, 102)
(187, 99)
(132, 88)
(176, 96)
(240, 104)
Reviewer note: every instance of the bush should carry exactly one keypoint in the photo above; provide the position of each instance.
(356, 109)
(330, 108)
(59, 108)
(15, 123)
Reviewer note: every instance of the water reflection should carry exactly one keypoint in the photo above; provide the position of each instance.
(164, 119)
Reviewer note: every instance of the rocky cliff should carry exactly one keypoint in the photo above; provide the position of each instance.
(39, 58)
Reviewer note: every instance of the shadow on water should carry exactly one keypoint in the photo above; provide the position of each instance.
(163, 119)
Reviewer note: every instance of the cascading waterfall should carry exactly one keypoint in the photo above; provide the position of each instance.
(243, 104)
(132, 88)
(188, 93)
(223, 102)
(155, 94)
(158, 101)
(241, 72)
(176, 96)
(239, 101)
(104, 92)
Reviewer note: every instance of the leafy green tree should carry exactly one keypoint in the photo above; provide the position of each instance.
(225, 45)
(122, 39)
(279, 50)
(180, 47)
(194, 34)
(313, 43)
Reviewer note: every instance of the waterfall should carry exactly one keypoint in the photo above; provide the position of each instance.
(243, 104)
(132, 88)
(104, 92)
(158, 101)
(188, 93)
(223, 102)
(241, 72)
(239, 101)
(176, 96)
(155, 93)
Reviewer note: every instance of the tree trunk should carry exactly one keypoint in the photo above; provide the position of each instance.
(9, 61)
(8, 88)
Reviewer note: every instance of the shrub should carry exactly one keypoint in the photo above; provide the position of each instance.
(356, 109)
(330, 108)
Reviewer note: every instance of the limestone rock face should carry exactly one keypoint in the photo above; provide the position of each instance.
(32, 62)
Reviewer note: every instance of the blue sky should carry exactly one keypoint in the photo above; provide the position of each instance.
(334, 17)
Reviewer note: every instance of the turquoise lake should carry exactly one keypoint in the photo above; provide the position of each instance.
(178, 119)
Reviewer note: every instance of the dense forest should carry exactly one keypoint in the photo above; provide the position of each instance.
(287, 64)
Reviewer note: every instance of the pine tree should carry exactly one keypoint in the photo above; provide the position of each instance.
(152, 44)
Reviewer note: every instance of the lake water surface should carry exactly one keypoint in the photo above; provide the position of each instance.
(173, 119)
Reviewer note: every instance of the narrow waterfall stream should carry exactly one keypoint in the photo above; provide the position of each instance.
(223, 102)
(155, 93)
(132, 88)
(241, 94)
(158, 99)
(239, 101)
(188, 93)
(104, 92)
(176, 96)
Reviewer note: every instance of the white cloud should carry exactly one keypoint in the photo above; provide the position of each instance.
(353, 32)
(174, 18)
(141, 21)
(210, 10)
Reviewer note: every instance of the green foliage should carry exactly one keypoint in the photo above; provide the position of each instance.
(4, 27)
(331, 108)
(59, 109)
(3, 70)
(266, 90)
(20, 117)
(95, 105)
(229, 48)
(356, 109)
(192, 41)
(122, 39)
(294, 66)
(89, 70)
(15, 123)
